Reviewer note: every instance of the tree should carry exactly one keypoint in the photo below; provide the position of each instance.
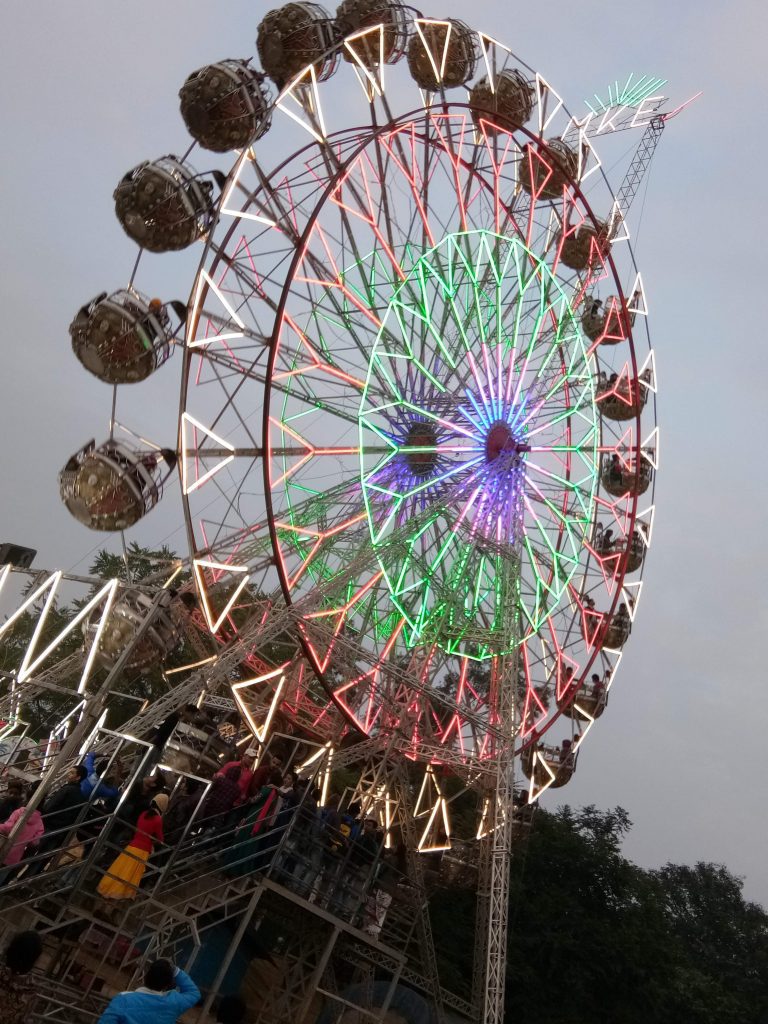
(726, 971)
(138, 561)
(595, 938)
(577, 912)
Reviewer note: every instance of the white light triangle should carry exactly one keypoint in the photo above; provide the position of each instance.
(51, 584)
(325, 785)
(386, 815)
(646, 517)
(554, 226)
(276, 678)
(587, 166)
(486, 42)
(617, 656)
(429, 794)
(371, 80)
(304, 94)
(584, 729)
(650, 448)
(649, 363)
(30, 663)
(536, 791)
(198, 565)
(260, 218)
(617, 224)
(197, 313)
(437, 834)
(637, 302)
(438, 62)
(543, 91)
(191, 426)
(632, 589)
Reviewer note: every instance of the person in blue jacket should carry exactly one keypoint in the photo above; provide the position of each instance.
(93, 780)
(167, 993)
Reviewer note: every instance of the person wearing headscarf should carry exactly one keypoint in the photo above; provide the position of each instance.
(124, 875)
(181, 810)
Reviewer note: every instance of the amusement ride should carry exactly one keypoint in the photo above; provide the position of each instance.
(416, 445)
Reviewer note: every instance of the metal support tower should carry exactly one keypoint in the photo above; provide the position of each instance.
(640, 163)
(494, 862)
(496, 830)
(179, 913)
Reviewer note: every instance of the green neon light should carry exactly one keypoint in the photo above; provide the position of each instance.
(476, 299)
(630, 94)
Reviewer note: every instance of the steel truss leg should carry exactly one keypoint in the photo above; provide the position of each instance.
(385, 774)
(492, 921)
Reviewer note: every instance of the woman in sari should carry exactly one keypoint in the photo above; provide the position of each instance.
(239, 858)
(124, 875)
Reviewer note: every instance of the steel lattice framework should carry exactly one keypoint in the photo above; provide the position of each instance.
(399, 326)
(416, 435)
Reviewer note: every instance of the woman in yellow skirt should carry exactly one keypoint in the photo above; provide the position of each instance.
(124, 874)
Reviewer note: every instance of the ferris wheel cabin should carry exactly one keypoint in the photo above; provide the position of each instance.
(457, 51)
(625, 398)
(355, 16)
(506, 103)
(112, 486)
(587, 244)
(292, 37)
(163, 205)
(225, 105)
(123, 338)
(619, 477)
(547, 172)
(126, 618)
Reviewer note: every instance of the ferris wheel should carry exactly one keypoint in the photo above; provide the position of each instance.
(417, 403)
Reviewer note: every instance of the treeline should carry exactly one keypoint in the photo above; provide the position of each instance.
(594, 938)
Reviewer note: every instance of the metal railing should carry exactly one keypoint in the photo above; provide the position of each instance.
(217, 870)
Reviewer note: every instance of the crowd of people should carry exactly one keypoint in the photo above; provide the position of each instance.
(167, 992)
(252, 816)
(241, 818)
(250, 819)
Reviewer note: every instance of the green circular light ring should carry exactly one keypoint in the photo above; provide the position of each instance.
(480, 392)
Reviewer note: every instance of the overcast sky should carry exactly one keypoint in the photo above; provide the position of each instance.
(89, 89)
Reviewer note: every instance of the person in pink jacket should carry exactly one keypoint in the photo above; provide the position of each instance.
(31, 831)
